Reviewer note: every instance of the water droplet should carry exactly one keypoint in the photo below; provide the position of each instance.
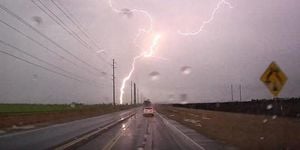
(140, 148)
(265, 120)
(171, 97)
(270, 106)
(186, 70)
(123, 127)
(100, 51)
(154, 75)
(262, 138)
(183, 98)
(127, 12)
(35, 77)
(2, 132)
(183, 102)
(14, 126)
(72, 105)
(38, 20)
(274, 117)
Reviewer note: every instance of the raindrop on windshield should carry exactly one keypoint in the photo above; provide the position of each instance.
(270, 106)
(186, 70)
(171, 97)
(265, 120)
(38, 20)
(183, 98)
(72, 105)
(154, 75)
(127, 12)
(100, 52)
(35, 77)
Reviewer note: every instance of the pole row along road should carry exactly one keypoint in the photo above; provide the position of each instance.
(125, 130)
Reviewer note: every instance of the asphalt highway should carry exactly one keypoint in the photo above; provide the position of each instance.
(135, 133)
(152, 133)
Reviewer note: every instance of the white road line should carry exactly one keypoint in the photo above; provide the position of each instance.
(87, 136)
(179, 131)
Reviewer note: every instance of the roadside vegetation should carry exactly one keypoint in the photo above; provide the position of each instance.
(14, 115)
(244, 131)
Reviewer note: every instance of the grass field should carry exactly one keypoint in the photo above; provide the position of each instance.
(244, 131)
(31, 108)
(39, 108)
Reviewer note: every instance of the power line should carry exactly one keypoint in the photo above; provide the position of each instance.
(60, 22)
(39, 66)
(46, 37)
(45, 68)
(41, 60)
(38, 43)
(73, 19)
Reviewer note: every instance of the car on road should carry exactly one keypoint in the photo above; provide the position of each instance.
(148, 111)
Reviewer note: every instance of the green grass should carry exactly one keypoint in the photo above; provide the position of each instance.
(39, 108)
(31, 108)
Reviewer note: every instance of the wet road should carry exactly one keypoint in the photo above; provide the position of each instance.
(47, 137)
(158, 133)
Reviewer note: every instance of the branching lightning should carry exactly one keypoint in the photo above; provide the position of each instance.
(147, 53)
(150, 52)
(211, 18)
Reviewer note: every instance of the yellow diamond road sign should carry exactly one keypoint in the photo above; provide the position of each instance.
(274, 78)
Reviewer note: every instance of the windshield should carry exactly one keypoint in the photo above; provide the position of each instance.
(225, 69)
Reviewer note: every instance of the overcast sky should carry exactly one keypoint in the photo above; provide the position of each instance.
(235, 48)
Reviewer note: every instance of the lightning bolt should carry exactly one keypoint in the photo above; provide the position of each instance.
(211, 18)
(148, 53)
(155, 41)
(141, 31)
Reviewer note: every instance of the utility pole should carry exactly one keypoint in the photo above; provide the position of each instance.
(134, 93)
(114, 88)
(137, 95)
(131, 92)
(231, 92)
(240, 87)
